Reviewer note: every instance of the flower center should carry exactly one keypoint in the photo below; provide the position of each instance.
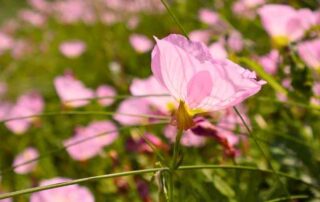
(183, 117)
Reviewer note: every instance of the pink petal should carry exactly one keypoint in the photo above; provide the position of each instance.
(199, 87)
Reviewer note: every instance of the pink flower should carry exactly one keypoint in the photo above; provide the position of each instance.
(218, 51)
(105, 91)
(235, 41)
(6, 42)
(309, 51)
(200, 36)
(283, 23)
(89, 141)
(246, 8)
(133, 22)
(72, 193)
(140, 43)
(144, 86)
(71, 11)
(25, 156)
(4, 110)
(209, 17)
(40, 5)
(34, 18)
(27, 105)
(316, 92)
(129, 110)
(188, 139)
(198, 81)
(270, 61)
(69, 88)
(72, 49)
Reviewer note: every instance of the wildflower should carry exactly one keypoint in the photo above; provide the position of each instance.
(309, 51)
(197, 81)
(104, 91)
(140, 43)
(89, 141)
(285, 24)
(25, 156)
(71, 91)
(270, 61)
(27, 105)
(73, 48)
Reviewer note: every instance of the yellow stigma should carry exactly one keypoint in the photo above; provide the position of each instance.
(280, 41)
(183, 117)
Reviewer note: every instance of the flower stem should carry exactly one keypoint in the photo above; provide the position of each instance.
(150, 170)
(174, 164)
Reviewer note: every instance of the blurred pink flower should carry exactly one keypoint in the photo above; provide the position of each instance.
(235, 41)
(246, 8)
(25, 156)
(150, 85)
(198, 81)
(105, 91)
(200, 36)
(209, 17)
(140, 43)
(6, 42)
(89, 141)
(316, 92)
(27, 105)
(129, 110)
(133, 22)
(309, 51)
(72, 49)
(4, 110)
(218, 51)
(188, 139)
(20, 48)
(270, 61)
(283, 23)
(40, 5)
(72, 193)
(69, 88)
(32, 17)
(71, 11)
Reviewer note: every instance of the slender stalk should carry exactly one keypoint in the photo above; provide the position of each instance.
(262, 152)
(77, 181)
(150, 170)
(173, 167)
(4, 170)
(117, 97)
(83, 113)
(175, 19)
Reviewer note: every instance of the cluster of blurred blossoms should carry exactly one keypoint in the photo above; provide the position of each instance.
(196, 73)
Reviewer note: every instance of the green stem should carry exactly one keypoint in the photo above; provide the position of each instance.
(83, 113)
(150, 170)
(175, 19)
(4, 170)
(117, 97)
(174, 162)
